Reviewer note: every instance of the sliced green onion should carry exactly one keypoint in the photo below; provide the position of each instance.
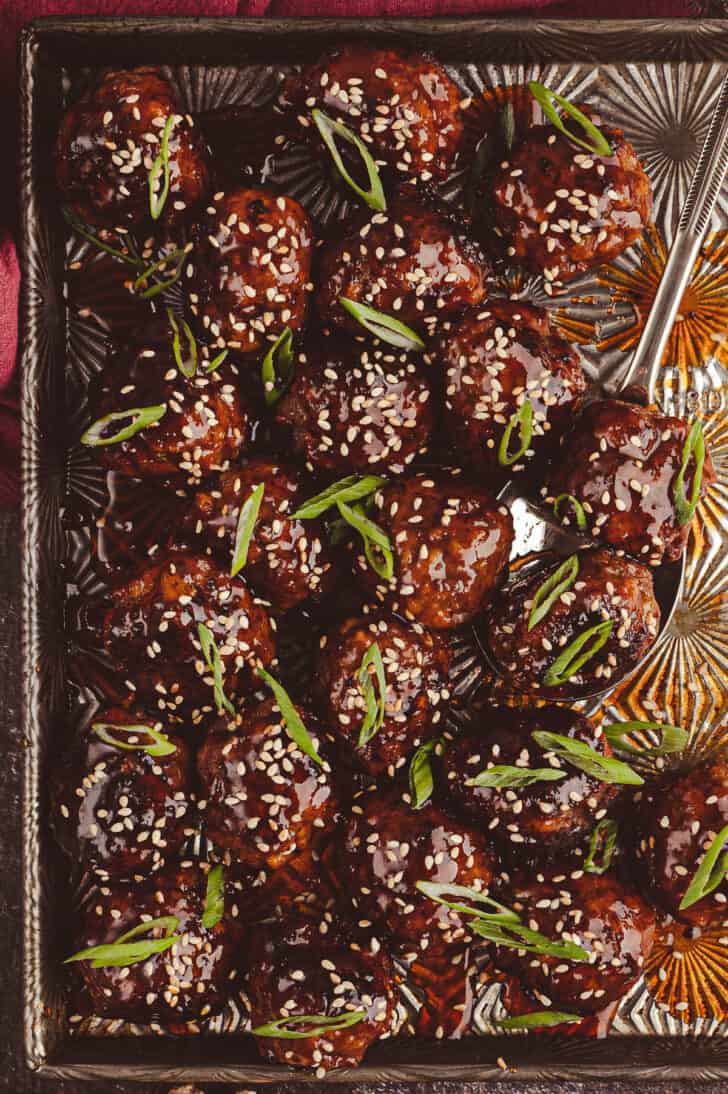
(216, 361)
(568, 663)
(523, 418)
(544, 96)
(295, 728)
(352, 488)
(508, 125)
(374, 717)
(160, 742)
(421, 782)
(377, 547)
(213, 660)
(316, 1023)
(383, 326)
(604, 768)
(517, 936)
(672, 738)
(549, 591)
(159, 286)
(125, 952)
(694, 445)
(327, 127)
(711, 872)
(579, 513)
(214, 908)
(602, 843)
(86, 233)
(247, 517)
(186, 365)
(158, 195)
(277, 368)
(538, 1019)
(503, 775)
(439, 893)
(141, 418)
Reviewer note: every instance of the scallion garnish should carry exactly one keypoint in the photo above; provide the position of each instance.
(544, 96)
(602, 843)
(124, 951)
(158, 194)
(503, 775)
(421, 781)
(383, 326)
(316, 1024)
(277, 368)
(373, 698)
(578, 508)
(214, 908)
(517, 936)
(672, 738)
(538, 1019)
(604, 768)
(295, 728)
(711, 872)
(216, 361)
(137, 418)
(694, 445)
(157, 266)
(186, 365)
(523, 419)
(377, 547)
(158, 745)
(480, 901)
(82, 230)
(568, 663)
(327, 127)
(213, 660)
(247, 517)
(352, 488)
(549, 591)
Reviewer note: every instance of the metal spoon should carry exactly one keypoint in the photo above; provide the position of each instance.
(535, 534)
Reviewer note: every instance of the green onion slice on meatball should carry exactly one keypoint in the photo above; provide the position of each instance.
(711, 872)
(373, 698)
(549, 591)
(186, 365)
(130, 948)
(593, 140)
(329, 129)
(276, 371)
(158, 744)
(421, 781)
(568, 663)
(292, 720)
(214, 908)
(440, 891)
(213, 660)
(522, 419)
(694, 446)
(579, 514)
(383, 326)
(160, 266)
(604, 768)
(377, 547)
(247, 517)
(159, 187)
(315, 1024)
(503, 775)
(602, 844)
(136, 419)
(538, 1019)
(352, 488)
(671, 738)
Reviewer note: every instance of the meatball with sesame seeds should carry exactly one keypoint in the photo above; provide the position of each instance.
(108, 144)
(265, 799)
(616, 477)
(512, 385)
(355, 406)
(416, 665)
(591, 633)
(248, 274)
(450, 542)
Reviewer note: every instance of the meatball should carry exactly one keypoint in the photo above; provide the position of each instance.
(562, 210)
(677, 821)
(149, 628)
(507, 372)
(609, 921)
(535, 818)
(389, 847)
(354, 406)
(404, 107)
(620, 463)
(289, 561)
(450, 542)
(108, 144)
(414, 262)
(205, 423)
(416, 665)
(301, 967)
(191, 979)
(265, 798)
(607, 589)
(248, 275)
(124, 809)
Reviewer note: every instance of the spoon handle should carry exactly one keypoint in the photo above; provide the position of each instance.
(694, 220)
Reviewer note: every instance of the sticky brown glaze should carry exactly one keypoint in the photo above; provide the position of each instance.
(148, 626)
(495, 360)
(536, 818)
(677, 820)
(302, 967)
(306, 883)
(248, 274)
(354, 406)
(416, 667)
(404, 107)
(450, 541)
(265, 798)
(561, 210)
(414, 262)
(389, 847)
(597, 912)
(190, 981)
(207, 422)
(620, 461)
(289, 561)
(109, 140)
(607, 587)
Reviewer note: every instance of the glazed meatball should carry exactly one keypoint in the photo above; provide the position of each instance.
(414, 262)
(678, 819)
(289, 561)
(148, 627)
(192, 979)
(122, 809)
(205, 424)
(389, 847)
(596, 912)
(301, 967)
(248, 275)
(416, 665)
(535, 818)
(450, 541)
(108, 143)
(562, 210)
(265, 798)
(501, 364)
(620, 463)
(607, 588)
(354, 406)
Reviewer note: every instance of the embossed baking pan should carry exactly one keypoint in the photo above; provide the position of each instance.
(658, 81)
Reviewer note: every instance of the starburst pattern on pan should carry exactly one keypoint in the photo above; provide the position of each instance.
(687, 974)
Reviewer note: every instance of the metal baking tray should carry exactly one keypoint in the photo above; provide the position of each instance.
(658, 80)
